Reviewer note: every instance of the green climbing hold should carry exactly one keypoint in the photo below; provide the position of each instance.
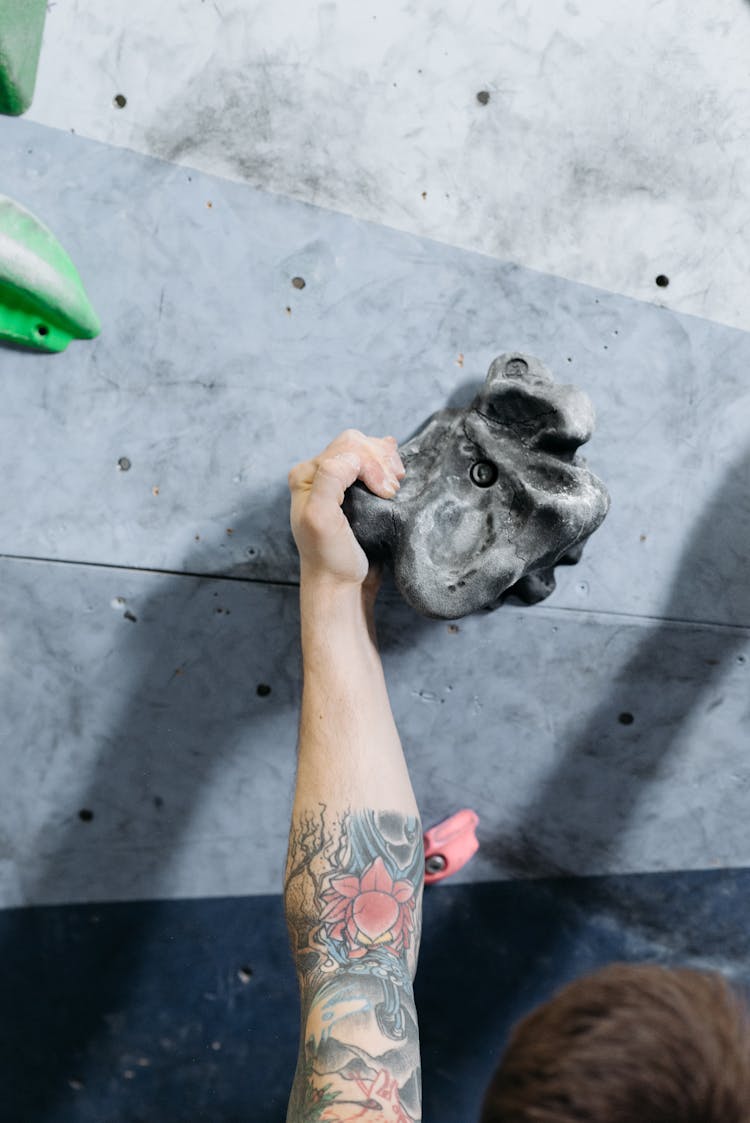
(21, 25)
(42, 301)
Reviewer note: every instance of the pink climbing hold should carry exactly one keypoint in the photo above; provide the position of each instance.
(450, 845)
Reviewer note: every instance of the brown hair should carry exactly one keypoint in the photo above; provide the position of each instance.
(628, 1044)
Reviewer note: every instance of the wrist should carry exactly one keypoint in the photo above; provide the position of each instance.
(335, 613)
(323, 585)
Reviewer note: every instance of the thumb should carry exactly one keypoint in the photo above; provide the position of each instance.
(334, 475)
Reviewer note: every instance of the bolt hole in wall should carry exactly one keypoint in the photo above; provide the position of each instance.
(625, 718)
(42, 329)
(119, 101)
(85, 815)
(298, 282)
(123, 464)
(263, 690)
(662, 281)
(483, 97)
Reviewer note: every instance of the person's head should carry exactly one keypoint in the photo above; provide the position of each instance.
(628, 1044)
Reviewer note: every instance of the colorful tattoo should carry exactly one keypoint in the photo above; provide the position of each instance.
(353, 902)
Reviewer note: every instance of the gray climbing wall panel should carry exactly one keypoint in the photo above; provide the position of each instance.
(580, 739)
(610, 145)
(213, 375)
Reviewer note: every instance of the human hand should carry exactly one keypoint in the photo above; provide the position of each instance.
(327, 547)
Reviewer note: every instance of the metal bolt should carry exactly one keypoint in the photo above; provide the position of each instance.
(483, 473)
(435, 864)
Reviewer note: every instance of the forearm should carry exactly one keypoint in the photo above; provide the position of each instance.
(350, 752)
(354, 872)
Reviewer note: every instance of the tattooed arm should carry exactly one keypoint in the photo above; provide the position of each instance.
(355, 863)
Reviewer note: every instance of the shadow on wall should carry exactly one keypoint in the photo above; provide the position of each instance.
(157, 756)
(589, 801)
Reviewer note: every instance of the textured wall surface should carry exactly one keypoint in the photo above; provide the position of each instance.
(149, 664)
(612, 148)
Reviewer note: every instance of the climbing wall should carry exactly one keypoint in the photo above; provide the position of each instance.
(292, 220)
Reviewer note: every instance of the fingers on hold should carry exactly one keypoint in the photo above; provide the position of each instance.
(352, 458)
(351, 441)
(381, 479)
(342, 464)
(393, 459)
(357, 438)
(397, 465)
(350, 435)
(353, 455)
(334, 475)
(383, 468)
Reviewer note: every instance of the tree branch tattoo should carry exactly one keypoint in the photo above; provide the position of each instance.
(353, 904)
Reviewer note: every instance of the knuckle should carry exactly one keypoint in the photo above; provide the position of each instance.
(295, 472)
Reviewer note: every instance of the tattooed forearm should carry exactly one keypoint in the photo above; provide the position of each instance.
(353, 903)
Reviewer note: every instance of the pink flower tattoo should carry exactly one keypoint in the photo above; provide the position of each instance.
(369, 911)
